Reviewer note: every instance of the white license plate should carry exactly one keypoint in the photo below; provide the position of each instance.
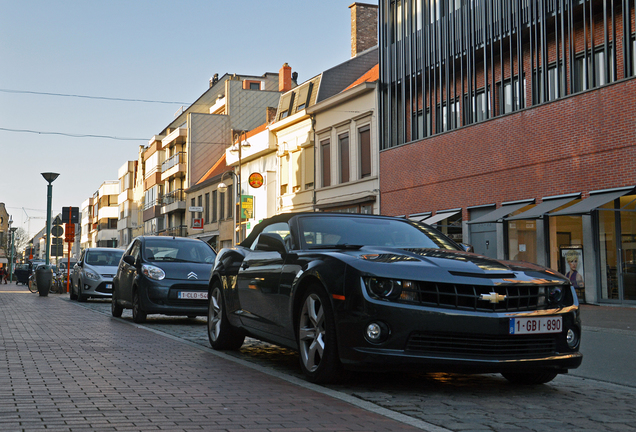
(109, 286)
(536, 325)
(192, 295)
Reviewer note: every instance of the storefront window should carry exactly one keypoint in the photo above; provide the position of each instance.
(522, 240)
(607, 252)
(628, 246)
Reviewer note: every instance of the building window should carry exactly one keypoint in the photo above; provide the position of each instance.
(309, 167)
(593, 73)
(207, 208)
(445, 122)
(364, 136)
(221, 206)
(556, 83)
(296, 171)
(230, 200)
(200, 203)
(284, 174)
(343, 147)
(214, 206)
(304, 94)
(286, 104)
(325, 162)
(509, 96)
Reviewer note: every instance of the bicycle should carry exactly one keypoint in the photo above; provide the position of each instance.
(31, 284)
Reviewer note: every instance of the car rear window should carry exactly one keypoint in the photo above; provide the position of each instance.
(104, 258)
(179, 251)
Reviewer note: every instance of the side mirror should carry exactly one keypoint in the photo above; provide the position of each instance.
(467, 247)
(130, 260)
(271, 242)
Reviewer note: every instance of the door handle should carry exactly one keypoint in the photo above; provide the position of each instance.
(245, 265)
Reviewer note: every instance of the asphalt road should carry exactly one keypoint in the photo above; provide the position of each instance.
(598, 396)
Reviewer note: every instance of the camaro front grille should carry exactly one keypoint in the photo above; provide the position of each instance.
(483, 347)
(477, 297)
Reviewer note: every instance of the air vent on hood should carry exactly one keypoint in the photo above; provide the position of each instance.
(489, 275)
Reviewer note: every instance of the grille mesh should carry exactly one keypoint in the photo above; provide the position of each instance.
(490, 347)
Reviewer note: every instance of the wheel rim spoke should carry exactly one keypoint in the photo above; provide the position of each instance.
(311, 333)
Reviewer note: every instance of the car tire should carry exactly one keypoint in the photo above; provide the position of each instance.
(115, 308)
(72, 294)
(316, 335)
(529, 378)
(221, 334)
(80, 297)
(139, 314)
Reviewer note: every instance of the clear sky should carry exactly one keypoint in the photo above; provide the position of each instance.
(152, 50)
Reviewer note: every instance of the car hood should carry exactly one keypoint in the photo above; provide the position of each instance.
(185, 270)
(447, 266)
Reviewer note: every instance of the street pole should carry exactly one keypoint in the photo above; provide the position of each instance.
(50, 178)
(13, 230)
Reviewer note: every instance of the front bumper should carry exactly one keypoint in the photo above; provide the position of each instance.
(162, 297)
(448, 340)
(102, 287)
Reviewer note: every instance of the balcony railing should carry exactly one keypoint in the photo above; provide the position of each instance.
(179, 158)
(177, 231)
(172, 197)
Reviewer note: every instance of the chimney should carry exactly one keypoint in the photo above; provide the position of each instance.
(284, 78)
(364, 27)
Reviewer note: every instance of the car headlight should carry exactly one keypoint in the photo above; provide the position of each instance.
(391, 289)
(153, 272)
(91, 275)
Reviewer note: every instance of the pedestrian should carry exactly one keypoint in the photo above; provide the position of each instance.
(3, 275)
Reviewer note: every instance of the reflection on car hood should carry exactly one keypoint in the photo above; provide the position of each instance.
(415, 262)
(185, 270)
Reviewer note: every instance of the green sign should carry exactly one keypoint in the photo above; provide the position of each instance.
(247, 207)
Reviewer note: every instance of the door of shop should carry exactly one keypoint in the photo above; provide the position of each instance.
(617, 237)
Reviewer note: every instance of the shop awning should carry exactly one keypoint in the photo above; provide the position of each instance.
(419, 217)
(4, 261)
(546, 206)
(500, 213)
(593, 202)
(439, 217)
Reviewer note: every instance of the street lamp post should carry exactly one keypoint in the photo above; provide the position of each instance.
(238, 136)
(50, 178)
(13, 230)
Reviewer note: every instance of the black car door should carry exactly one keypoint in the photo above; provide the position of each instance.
(127, 273)
(258, 286)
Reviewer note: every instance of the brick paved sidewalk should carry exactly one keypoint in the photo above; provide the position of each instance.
(66, 368)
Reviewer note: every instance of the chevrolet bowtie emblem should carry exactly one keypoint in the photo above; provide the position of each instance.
(192, 275)
(492, 297)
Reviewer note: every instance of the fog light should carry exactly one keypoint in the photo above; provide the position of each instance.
(376, 332)
(572, 338)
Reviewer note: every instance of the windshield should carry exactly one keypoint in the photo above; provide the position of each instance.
(178, 251)
(103, 257)
(319, 232)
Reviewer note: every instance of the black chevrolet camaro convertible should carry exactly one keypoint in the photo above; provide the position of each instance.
(372, 292)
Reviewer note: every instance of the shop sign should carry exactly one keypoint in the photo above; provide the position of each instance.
(247, 206)
(256, 180)
(197, 223)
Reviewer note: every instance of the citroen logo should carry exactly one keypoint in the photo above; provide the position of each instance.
(192, 275)
(492, 297)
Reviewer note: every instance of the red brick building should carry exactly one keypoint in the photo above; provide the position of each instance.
(526, 160)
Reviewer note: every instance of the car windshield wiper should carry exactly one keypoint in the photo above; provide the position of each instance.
(343, 246)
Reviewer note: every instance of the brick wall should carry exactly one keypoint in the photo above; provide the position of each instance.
(581, 143)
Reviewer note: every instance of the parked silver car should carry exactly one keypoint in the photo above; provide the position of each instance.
(92, 276)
